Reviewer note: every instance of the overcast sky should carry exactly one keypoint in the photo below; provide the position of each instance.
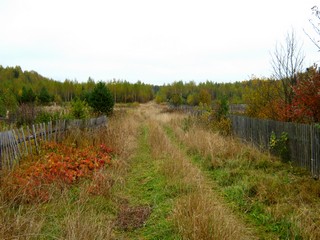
(153, 41)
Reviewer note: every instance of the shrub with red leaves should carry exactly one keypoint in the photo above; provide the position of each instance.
(60, 164)
(305, 106)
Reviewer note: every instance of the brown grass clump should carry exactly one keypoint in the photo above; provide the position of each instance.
(199, 216)
(121, 133)
(83, 224)
(215, 148)
(101, 184)
(118, 134)
(309, 221)
(25, 223)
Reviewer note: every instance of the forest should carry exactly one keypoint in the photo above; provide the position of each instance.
(287, 99)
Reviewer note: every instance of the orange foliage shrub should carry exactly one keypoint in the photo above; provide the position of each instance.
(60, 164)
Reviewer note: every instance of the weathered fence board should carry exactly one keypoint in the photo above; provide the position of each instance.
(303, 144)
(13, 143)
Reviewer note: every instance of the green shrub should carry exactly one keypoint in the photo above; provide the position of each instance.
(223, 108)
(279, 146)
(79, 109)
(101, 99)
(45, 117)
(2, 108)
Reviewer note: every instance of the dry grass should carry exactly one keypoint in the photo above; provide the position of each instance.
(87, 224)
(259, 184)
(197, 213)
(179, 173)
(200, 216)
(24, 223)
(119, 134)
(101, 184)
(216, 148)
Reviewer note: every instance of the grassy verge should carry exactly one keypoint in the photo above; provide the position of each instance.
(276, 199)
(82, 210)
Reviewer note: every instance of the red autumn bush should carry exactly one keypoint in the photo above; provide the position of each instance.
(59, 164)
(305, 105)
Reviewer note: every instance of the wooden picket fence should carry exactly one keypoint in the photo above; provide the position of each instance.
(16, 143)
(196, 111)
(303, 139)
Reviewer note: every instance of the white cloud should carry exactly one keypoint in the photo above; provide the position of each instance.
(154, 41)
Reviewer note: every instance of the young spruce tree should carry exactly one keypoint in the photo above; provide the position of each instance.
(101, 99)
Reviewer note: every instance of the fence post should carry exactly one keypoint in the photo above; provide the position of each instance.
(24, 140)
(29, 138)
(8, 153)
(56, 131)
(49, 130)
(11, 149)
(16, 144)
(1, 144)
(35, 137)
(313, 172)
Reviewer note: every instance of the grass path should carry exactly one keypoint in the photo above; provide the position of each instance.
(145, 187)
(166, 197)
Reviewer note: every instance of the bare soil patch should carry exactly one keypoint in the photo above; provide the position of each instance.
(130, 218)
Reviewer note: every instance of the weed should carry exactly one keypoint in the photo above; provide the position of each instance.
(279, 146)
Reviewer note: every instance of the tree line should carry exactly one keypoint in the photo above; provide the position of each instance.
(18, 87)
(264, 97)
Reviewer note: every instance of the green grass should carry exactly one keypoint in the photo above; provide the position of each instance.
(235, 185)
(147, 186)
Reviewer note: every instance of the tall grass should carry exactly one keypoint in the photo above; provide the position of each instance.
(200, 216)
(87, 224)
(23, 223)
(281, 200)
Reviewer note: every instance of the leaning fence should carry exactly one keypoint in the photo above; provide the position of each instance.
(303, 139)
(16, 143)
